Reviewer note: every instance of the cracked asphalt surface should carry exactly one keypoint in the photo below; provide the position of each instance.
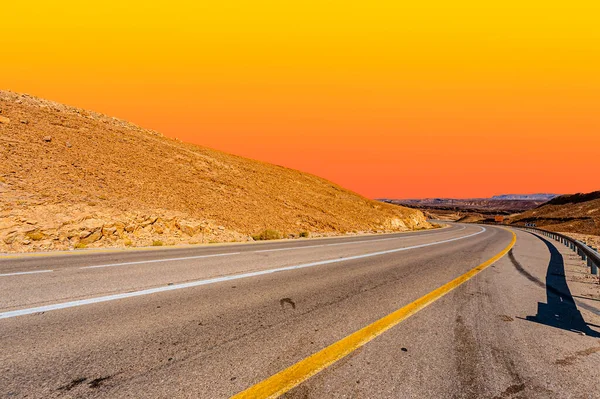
(517, 329)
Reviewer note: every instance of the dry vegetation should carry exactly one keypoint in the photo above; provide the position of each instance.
(73, 178)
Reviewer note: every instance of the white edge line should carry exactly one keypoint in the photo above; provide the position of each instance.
(64, 305)
(230, 253)
(289, 249)
(158, 260)
(359, 242)
(21, 273)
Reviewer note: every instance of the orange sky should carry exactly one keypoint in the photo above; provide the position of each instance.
(438, 98)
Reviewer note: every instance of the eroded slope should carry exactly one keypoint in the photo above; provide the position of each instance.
(73, 178)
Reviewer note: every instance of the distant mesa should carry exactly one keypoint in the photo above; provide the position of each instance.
(472, 210)
(525, 197)
(72, 178)
(570, 213)
(504, 204)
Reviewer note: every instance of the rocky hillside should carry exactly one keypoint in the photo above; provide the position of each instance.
(576, 213)
(71, 178)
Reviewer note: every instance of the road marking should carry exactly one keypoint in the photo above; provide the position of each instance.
(183, 246)
(237, 253)
(157, 260)
(294, 375)
(197, 283)
(21, 273)
(326, 245)
(351, 242)
(289, 249)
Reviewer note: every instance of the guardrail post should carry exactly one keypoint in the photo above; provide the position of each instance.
(592, 261)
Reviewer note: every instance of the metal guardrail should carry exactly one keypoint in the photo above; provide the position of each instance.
(589, 254)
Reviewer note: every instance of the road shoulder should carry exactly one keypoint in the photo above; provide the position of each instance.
(492, 337)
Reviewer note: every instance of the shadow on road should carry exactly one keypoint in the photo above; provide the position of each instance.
(560, 310)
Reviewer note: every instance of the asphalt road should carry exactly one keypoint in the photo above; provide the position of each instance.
(213, 321)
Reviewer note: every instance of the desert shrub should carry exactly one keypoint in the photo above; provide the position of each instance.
(267, 234)
(128, 242)
(80, 245)
(304, 234)
(35, 235)
(157, 243)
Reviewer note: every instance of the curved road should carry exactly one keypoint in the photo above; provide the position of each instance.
(214, 321)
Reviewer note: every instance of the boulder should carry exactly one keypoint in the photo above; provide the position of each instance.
(109, 231)
(95, 236)
(158, 228)
(189, 228)
(10, 237)
(91, 224)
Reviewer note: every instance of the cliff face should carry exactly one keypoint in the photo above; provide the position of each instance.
(74, 178)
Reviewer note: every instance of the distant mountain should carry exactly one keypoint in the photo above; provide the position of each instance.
(490, 206)
(528, 197)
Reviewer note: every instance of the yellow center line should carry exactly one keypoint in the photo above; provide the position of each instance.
(294, 375)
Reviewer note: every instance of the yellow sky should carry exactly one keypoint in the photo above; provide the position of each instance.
(357, 92)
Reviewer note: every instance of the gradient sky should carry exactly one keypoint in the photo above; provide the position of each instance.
(390, 99)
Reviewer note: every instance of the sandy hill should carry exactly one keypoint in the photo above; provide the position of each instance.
(74, 178)
(471, 218)
(576, 213)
